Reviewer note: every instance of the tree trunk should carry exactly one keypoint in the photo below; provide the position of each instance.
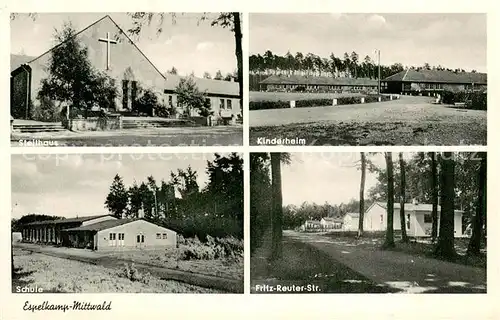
(445, 246)
(277, 206)
(389, 234)
(239, 53)
(434, 179)
(476, 238)
(362, 195)
(404, 236)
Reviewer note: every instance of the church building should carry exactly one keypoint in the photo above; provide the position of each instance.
(112, 51)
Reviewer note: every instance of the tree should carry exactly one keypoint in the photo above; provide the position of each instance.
(173, 71)
(117, 199)
(402, 199)
(189, 96)
(207, 75)
(135, 201)
(435, 190)
(474, 247)
(147, 102)
(218, 75)
(277, 206)
(72, 81)
(389, 234)
(445, 245)
(362, 195)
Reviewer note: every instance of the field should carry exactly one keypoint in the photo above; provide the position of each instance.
(56, 275)
(287, 96)
(407, 121)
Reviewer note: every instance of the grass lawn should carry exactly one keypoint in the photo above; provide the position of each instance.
(62, 275)
(287, 96)
(374, 133)
(419, 248)
(225, 268)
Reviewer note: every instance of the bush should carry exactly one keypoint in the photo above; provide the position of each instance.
(262, 105)
(348, 100)
(213, 248)
(472, 100)
(47, 111)
(313, 103)
(130, 272)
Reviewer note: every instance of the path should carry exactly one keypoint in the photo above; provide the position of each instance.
(182, 136)
(407, 109)
(412, 274)
(303, 269)
(96, 258)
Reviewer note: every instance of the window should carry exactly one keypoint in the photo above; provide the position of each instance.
(229, 104)
(170, 101)
(134, 92)
(164, 236)
(142, 238)
(427, 218)
(121, 236)
(381, 218)
(158, 236)
(221, 104)
(112, 236)
(138, 238)
(125, 94)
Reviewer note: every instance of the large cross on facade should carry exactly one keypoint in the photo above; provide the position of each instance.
(108, 41)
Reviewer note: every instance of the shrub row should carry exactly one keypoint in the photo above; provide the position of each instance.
(213, 248)
(262, 105)
(472, 100)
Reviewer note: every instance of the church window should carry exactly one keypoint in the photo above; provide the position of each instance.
(125, 94)
(229, 104)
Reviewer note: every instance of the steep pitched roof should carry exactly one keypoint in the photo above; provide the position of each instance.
(64, 221)
(16, 60)
(314, 80)
(439, 76)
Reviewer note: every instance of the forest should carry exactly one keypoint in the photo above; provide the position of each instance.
(349, 65)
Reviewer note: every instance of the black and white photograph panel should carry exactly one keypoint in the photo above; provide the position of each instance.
(367, 79)
(368, 222)
(126, 79)
(133, 223)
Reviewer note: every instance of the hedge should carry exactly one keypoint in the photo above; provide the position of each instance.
(472, 100)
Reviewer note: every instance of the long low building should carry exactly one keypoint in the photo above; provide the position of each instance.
(316, 84)
(411, 81)
(102, 233)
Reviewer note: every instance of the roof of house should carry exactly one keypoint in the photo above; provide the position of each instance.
(352, 214)
(412, 207)
(439, 76)
(69, 220)
(205, 85)
(315, 80)
(332, 219)
(103, 225)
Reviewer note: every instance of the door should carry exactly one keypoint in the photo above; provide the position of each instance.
(139, 241)
(121, 239)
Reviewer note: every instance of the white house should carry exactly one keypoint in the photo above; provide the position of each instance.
(418, 219)
(331, 223)
(351, 221)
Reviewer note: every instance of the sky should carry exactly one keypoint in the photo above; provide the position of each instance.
(70, 185)
(189, 45)
(450, 40)
(327, 177)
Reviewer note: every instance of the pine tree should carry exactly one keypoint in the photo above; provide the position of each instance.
(117, 199)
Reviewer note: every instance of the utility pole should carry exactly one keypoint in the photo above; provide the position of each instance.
(378, 71)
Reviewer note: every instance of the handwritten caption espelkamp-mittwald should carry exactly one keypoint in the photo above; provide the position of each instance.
(76, 306)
